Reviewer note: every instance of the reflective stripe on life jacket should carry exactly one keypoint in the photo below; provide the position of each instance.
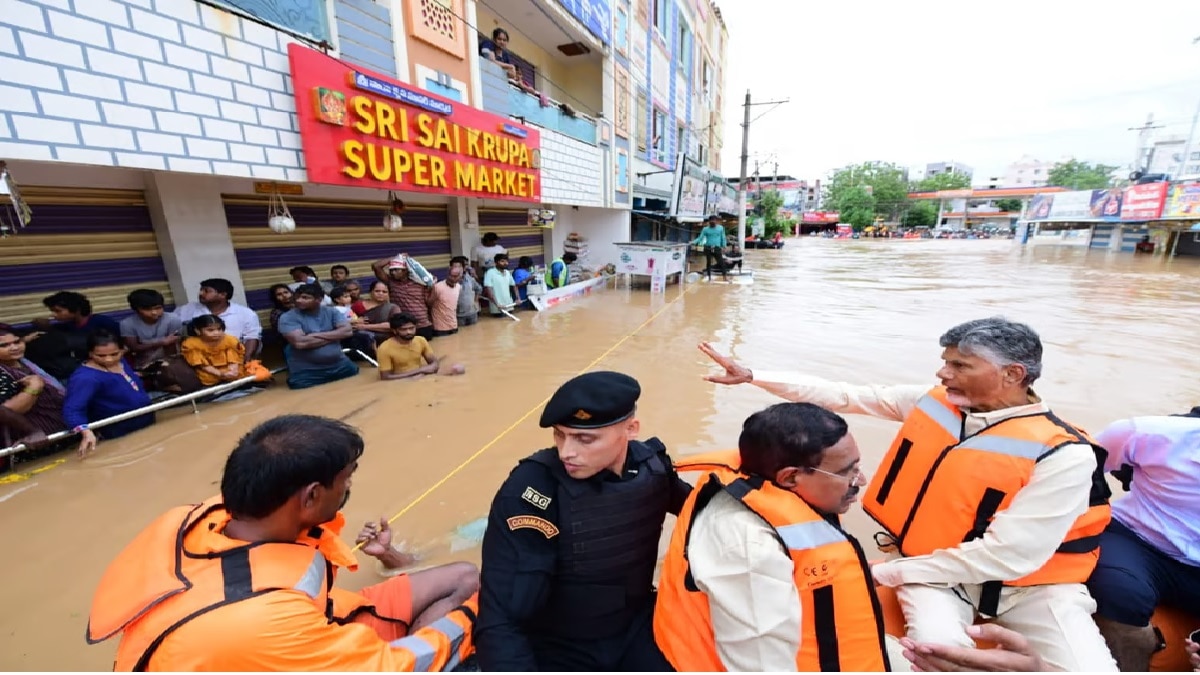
(182, 567)
(937, 488)
(841, 625)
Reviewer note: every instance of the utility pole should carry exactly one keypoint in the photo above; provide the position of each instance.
(745, 161)
(1143, 135)
(1187, 148)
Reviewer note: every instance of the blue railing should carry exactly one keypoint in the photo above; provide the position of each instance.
(304, 17)
(502, 98)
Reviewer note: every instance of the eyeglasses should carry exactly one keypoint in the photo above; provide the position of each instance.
(851, 477)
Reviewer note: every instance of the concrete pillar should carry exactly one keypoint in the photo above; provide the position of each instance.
(193, 236)
(463, 216)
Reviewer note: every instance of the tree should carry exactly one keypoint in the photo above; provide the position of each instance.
(920, 214)
(856, 207)
(1009, 205)
(885, 183)
(769, 204)
(1077, 175)
(951, 180)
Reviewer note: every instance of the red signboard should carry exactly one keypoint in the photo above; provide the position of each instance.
(818, 217)
(362, 129)
(1143, 202)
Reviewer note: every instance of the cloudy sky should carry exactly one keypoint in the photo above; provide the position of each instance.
(977, 82)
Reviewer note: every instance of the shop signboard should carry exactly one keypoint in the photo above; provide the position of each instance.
(1183, 200)
(595, 15)
(1143, 202)
(729, 199)
(362, 129)
(1072, 206)
(820, 217)
(689, 195)
(712, 197)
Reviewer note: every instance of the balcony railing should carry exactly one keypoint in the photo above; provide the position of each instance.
(504, 98)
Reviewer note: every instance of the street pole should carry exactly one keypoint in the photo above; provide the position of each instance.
(1187, 148)
(741, 240)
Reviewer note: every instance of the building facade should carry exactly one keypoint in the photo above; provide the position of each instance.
(1165, 156)
(935, 168)
(1027, 172)
(149, 138)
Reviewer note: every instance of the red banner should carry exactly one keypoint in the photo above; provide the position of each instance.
(1143, 202)
(819, 217)
(363, 129)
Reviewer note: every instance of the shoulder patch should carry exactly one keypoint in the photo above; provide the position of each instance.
(536, 498)
(542, 525)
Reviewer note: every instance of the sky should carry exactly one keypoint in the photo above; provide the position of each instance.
(981, 83)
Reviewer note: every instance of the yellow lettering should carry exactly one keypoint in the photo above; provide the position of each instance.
(379, 162)
(522, 159)
(365, 121)
(483, 184)
(457, 140)
(473, 143)
(510, 182)
(464, 176)
(421, 169)
(489, 146)
(437, 170)
(424, 123)
(443, 142)
(403, 163)
(352, 152)
(385, 117)
(502, 149)
(498, 180)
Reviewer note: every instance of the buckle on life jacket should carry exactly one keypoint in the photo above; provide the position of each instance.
(886, 543)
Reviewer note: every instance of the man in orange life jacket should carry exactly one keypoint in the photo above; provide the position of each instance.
(244, 582)
(995, 503)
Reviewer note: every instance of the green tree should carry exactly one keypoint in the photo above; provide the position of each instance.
(768, 206)
(885, 183)
(856, 207)
(951, 180)
(920, 214)
(1010, 205)
(1077, 175)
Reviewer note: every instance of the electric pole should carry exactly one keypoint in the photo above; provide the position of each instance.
(745, 160)
(1143, 135)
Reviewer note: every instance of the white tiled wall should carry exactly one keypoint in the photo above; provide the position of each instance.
(571, 171)
(154, 84)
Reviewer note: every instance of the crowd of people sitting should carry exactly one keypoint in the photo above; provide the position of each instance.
(84, 366)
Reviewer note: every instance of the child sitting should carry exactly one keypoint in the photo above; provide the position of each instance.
(215, 356)
(362, 340)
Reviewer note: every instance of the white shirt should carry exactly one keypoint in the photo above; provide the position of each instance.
(486, 255)
(240, 321)
(1020, 539)
(1164, 497)
(736, 560)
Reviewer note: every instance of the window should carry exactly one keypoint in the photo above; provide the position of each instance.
(658, 143)
(681, 140)
(1177, 157)
(1194, 156)
(660, 15)
(702, 155)
(306, 17)
(706, 81)
(1037, 172)
(683, 55)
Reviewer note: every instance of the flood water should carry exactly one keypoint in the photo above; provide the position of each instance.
(1119, 330)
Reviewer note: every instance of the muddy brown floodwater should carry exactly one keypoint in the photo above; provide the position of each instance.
(1120, 334)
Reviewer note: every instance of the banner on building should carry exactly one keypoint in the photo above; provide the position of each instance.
(1077, 206)
(689, 192)
(362, 129)
(1183, 200)
(820, 218)
(1143, 202)
(595, 15)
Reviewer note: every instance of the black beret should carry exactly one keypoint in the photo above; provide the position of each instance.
(592, 400)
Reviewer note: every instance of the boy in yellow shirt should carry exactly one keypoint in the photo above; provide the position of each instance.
(407, 355)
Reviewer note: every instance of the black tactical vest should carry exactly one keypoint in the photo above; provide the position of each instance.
(607, 546)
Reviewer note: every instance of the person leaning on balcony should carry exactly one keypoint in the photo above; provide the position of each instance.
(995, 503)
(496, 51)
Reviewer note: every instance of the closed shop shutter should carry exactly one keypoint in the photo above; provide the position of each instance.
(97, 242)
(329, 232)
(512, 226)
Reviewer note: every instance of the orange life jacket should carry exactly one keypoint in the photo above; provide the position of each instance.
(841, 623)
(182, 567)
(936, 489)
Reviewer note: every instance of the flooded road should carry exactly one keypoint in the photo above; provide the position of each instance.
(1119, 333)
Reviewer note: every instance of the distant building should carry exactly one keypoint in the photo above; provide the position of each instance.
(937, 168)
(798, 195)
(1166, 155)
(1028, 172)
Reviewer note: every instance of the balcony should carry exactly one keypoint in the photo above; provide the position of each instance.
(559, 61)
(505, 98)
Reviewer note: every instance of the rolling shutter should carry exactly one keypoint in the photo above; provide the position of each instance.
(512, 226)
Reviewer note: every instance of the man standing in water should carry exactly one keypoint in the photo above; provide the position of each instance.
(572, 540)
(995, 503)
(712, 238)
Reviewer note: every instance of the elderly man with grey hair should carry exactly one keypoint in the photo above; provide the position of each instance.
(993, 502)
